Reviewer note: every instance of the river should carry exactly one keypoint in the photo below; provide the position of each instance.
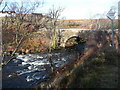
(26, 71)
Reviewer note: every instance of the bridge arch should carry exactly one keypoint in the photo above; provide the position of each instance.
(71, 33)
(69, 38)
(74, 36)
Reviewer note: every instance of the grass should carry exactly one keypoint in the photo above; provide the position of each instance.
(99, 71)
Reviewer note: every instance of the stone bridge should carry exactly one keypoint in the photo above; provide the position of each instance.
(67, 34)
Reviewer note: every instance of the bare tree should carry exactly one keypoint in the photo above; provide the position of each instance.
(54, 14)
(52, 25)
(16, 22)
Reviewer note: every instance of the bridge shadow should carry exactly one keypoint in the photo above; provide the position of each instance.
(79, 44)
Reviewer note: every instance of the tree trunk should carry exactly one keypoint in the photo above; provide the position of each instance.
(17, 46)
(12, 55)
(50, 60)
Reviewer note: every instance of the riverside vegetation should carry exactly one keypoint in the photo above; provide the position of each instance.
(96, 68)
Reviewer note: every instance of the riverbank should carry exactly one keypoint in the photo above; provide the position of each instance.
(99, 71)
(96, 68)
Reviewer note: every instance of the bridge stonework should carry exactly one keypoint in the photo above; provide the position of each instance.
(69, 33)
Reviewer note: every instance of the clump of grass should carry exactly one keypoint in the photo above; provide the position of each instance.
(98, 61)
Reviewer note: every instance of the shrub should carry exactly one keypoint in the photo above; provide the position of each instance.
(98, 61)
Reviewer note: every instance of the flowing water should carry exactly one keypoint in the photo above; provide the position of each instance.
(26, 71)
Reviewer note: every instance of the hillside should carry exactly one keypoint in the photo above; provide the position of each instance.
(86, 23)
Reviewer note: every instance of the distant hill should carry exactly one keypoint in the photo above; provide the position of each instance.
(84, 23)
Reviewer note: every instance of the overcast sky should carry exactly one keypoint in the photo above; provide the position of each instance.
(78, 9)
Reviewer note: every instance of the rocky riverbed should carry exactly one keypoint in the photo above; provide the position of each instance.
(25, 71)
